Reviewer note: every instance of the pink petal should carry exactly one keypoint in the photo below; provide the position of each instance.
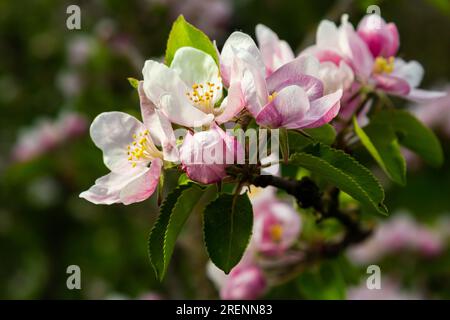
(143, 186)
(422, 96)
(392, 85)
(289, 106)
(297, 73)
(322, 110)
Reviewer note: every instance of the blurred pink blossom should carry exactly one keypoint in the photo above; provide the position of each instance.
(48, 134)
(400, 233)
(276, 224)
(390, 290)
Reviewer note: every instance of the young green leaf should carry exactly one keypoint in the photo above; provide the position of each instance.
(174, 212)
(227, 229)
(414, 135)
(344, 172)
(183, 34)
(380, 140)
(134, 82)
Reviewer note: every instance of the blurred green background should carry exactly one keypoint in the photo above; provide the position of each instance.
(46, 69)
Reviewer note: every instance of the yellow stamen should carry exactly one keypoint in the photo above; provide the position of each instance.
(383, 65)
(276, 232)
(272, 96)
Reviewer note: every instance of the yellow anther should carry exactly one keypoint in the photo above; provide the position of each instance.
(272, 96)
(276, 232)
(383, 65)
(195, 86)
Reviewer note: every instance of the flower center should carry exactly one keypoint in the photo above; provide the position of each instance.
(142, 149)
(276, 232)
(383, 65)
(204, 95)
(273, 96)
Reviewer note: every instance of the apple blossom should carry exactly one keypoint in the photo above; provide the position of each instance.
(277, 224)
(292, 97)
(189, 90)
(130, 152)
(389, 74)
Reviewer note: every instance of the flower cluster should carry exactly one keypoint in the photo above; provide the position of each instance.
(193, 106)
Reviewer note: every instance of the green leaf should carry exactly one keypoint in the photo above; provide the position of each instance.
(325, 134)
(134, 82)
(183, 34)
(344, 172)
(175, 210)
(380, 140)
(227, 229)
(414, 135)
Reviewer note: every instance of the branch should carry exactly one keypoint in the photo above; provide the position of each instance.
(308, 195)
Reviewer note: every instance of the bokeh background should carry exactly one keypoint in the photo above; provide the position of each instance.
(54, 81)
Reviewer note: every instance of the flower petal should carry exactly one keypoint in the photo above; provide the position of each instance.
(143, 186)
(421, 96)
(164, 87)
(253, 83)
(392, 84)
(355, 49)
(322, 110)
(112, 132)
(288, 107)
(195, 66)
(274, 52)
(159, 126)
(106, 189)
(412, 71)
(238, 41)
(302, 72)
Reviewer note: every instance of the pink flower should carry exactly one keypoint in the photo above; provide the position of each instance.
(382, 38)
(130, 152)
(275, 52)
(400, 233)
(205, 155)
(277, 224)
(292, 97)
(245, 282)
(72, 124)
(365, 53)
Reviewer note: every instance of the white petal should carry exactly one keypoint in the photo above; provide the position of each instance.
(160, 80)
(106, 189)
(327, 34)
(239, 41)
(159, 126)
(184, 114)
(195, 66)
(112, 132)
(165, 88)
(411, 71)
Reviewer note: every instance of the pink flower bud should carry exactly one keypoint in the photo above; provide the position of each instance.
(205, 155)
(382, 38)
